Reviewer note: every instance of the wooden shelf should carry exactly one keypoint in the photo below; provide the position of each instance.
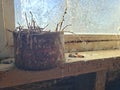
(94, 61)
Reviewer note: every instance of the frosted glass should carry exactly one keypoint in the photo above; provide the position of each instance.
(86, 16)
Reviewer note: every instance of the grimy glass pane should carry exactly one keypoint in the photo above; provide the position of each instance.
(86, 16)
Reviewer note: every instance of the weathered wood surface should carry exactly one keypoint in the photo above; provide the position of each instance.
(9, 19)
(100, 80)
(87, 42)
(94, 61)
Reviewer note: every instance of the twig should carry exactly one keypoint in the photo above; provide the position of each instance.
(19, 27)
(38, 28)
(45, 27)
(57, 27)
(61, 23)
(19, 31)
(66, 27)
(31, 18)
(32, 21)
(18, 23)
(28, 35)
(9, 30)
(26, 20)
(71, 32)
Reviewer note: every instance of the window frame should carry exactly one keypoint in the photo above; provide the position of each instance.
(91, 42)
(8, 20)
(73, 42)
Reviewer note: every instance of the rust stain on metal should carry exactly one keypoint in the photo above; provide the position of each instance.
(40, 51)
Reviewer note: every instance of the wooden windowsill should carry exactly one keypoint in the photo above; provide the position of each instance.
(93, 61)
(94, 55)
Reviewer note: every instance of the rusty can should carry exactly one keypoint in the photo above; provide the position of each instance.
(38, 51)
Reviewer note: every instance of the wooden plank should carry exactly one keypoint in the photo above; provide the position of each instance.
(114, 70)
(95, 55)
(92, 37)
(91, 42)
(17, 77)
(9, 19)
(100, 80)
(1, 18)
(93, 62)
(92, 46)
(6, 21)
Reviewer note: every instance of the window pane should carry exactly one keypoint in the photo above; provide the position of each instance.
(86, 16)
(96, 16)
(44, 11)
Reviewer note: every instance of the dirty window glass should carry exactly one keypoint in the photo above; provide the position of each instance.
(86, 16)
